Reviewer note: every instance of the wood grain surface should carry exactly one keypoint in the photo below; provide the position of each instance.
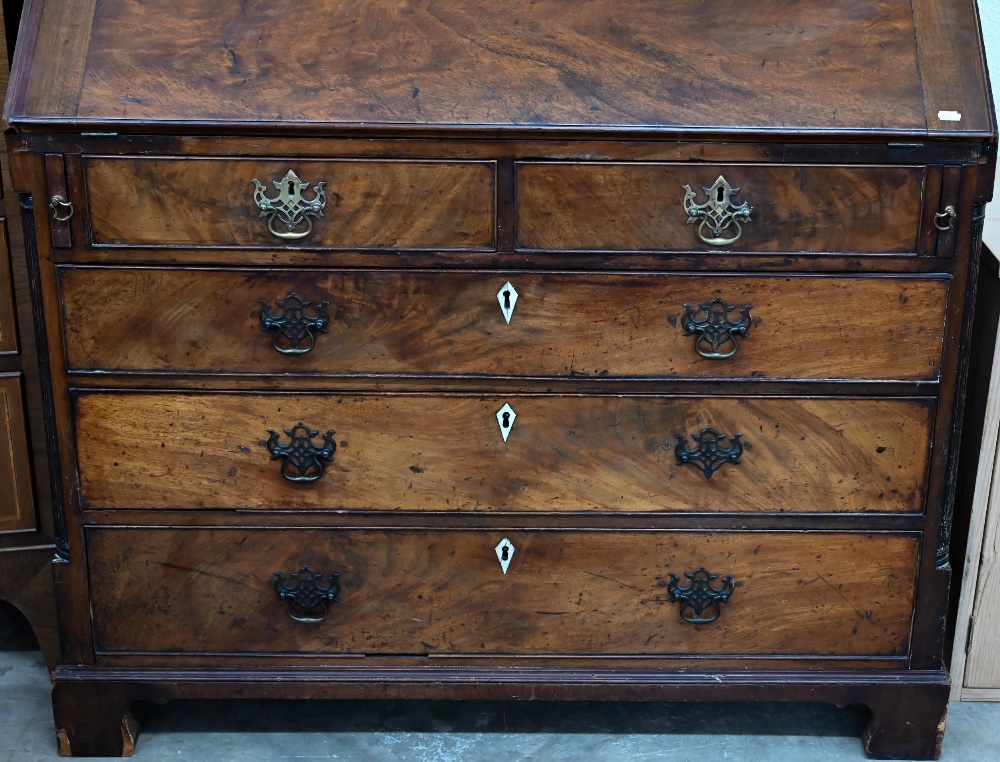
(621, 207)
(439, 592)
(502, 62)
(425, 452)
(370, 204)
(451, 323)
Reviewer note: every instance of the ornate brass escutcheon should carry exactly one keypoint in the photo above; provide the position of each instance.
(718, 214)
(289, 207)
(715, 331)
(294, 328)
(710, 452)
(308, 598)
(700, 595)
(304, 456)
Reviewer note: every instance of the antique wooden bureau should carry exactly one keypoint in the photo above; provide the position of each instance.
(503, 348)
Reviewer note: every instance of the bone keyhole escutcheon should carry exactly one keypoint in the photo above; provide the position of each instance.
(505, 552)
(505, 417)
(507, 296)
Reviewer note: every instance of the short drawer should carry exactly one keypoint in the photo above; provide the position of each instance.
(446, 592)
(543, 453)
(329, 204)
(788, 208)
(330, 322)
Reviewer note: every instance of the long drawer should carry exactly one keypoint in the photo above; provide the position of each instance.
(502, 323)
(453, 452)
(447, 592)
(706, 207)
(330, 204)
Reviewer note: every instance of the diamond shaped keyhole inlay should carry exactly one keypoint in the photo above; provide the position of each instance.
(505, 417)
(505, 552)
(507, 296)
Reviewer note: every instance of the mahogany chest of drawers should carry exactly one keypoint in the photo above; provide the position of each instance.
(503, 349)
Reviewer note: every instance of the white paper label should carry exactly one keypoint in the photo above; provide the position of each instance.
(949, 116)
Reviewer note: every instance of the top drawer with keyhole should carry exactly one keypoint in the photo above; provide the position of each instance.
(726, 207)
(497, 323)
(263, 203)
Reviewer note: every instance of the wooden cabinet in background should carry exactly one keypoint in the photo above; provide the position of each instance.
(26, 532)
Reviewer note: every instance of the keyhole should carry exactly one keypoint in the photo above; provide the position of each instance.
(506, 298)
(720, 194)
(291, 188)
(506, 420)
(505, 553)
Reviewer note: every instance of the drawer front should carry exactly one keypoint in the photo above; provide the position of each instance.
(445, 592)
(454, 323)
(641, 207)
(17, 505)
(447, 452)
(365, 204)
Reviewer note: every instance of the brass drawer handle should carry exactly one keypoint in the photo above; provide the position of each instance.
(948, 214)
(289, 207)
(62, 209)
(716, 333)
(718, 214)
(308, 598)
(700, 595)
(709, 453)
(307, 458)
(295, 326)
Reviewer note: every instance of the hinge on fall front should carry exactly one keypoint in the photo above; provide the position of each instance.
(968, 638)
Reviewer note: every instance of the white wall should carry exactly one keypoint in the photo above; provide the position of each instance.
(989, 14)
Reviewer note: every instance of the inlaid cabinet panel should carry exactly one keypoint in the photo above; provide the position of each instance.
(17, 502)
(8, 312)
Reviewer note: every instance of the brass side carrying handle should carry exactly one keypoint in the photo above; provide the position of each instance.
(290, 208)
(62, 209)
(304, 460)
(949, 214)
(700, 595)
(718, 214)
(296, 325)
(308, 597)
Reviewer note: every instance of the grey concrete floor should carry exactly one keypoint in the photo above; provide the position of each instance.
(245, 731)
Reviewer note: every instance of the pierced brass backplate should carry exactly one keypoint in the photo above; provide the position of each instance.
(718, 214)
(289, 207)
